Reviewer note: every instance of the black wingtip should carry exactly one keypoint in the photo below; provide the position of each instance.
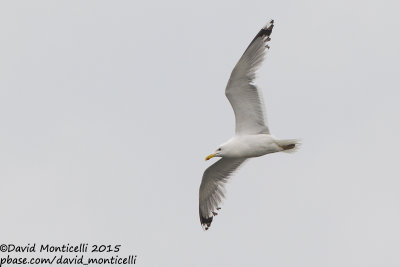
(269, 24)
(264, 33)
(205, 222)
(266, 30)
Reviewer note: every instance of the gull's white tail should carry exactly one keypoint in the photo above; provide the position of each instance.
(288, 145)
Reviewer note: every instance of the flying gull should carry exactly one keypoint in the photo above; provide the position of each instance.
(252, 136)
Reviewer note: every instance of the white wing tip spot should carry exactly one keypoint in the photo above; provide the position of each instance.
(269, 24)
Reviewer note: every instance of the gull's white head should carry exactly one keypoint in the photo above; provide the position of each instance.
(218, 153)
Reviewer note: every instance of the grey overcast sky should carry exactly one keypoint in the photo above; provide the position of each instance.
(108, 108)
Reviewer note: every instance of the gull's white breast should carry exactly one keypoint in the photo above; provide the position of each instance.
(248, 146)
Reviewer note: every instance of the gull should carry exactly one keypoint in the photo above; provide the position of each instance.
(252, 136)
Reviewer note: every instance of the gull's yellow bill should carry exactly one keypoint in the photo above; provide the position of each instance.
(210, 156)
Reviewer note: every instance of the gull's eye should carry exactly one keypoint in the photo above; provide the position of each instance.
(219, 149)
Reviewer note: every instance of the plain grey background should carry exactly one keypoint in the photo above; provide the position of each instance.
(108, 108)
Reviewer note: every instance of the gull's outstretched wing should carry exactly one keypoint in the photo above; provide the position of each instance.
(246, 99)
(212, 190)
